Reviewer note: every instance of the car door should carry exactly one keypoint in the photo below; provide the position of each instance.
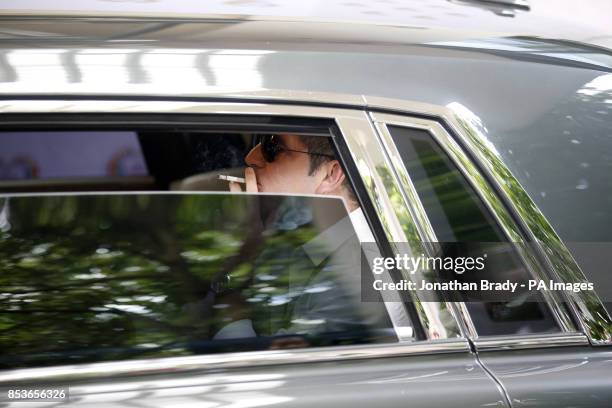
(529, 343)
(425, 362)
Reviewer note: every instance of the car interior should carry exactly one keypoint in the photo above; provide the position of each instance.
(133, 152)
(121, 160)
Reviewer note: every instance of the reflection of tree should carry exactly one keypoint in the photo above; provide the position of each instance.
(87, 278)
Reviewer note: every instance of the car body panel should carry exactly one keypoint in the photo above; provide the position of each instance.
(543, 18)
(514, 95)
(425, 381)
(568, 377)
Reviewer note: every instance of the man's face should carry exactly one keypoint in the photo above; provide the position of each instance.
(288, 173)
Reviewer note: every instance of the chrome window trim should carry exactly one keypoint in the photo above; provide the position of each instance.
(412, 201)
(496, 343)
(401, 229)
(486, 194)
(409, 193)
(224, 361)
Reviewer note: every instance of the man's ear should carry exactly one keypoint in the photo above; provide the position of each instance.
(332, 177)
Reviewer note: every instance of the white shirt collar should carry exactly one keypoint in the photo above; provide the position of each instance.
(360, 224)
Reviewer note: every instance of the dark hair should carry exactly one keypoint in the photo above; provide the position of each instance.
(323, 146)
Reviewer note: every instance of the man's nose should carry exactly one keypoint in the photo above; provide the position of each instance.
(254, 158)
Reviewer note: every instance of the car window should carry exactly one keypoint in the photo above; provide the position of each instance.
(457, 215)
(88, 277)
(70, 155)
(130, 234)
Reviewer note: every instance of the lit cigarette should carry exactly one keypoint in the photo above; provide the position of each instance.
(232, 178)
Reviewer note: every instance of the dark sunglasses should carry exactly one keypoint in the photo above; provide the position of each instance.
(271, 146)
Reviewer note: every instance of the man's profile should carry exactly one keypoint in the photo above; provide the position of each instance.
(289, 163)
(307, 165)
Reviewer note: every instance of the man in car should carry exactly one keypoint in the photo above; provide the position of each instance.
(306, 165)
(295, 164)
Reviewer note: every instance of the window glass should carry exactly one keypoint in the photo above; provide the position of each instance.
(144, 159)
(458, 216)
(100, 277)
(57, 155)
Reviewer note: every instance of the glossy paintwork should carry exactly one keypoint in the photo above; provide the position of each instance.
(564, 377)
(542, 18)
(594, 319)
(425, 381)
